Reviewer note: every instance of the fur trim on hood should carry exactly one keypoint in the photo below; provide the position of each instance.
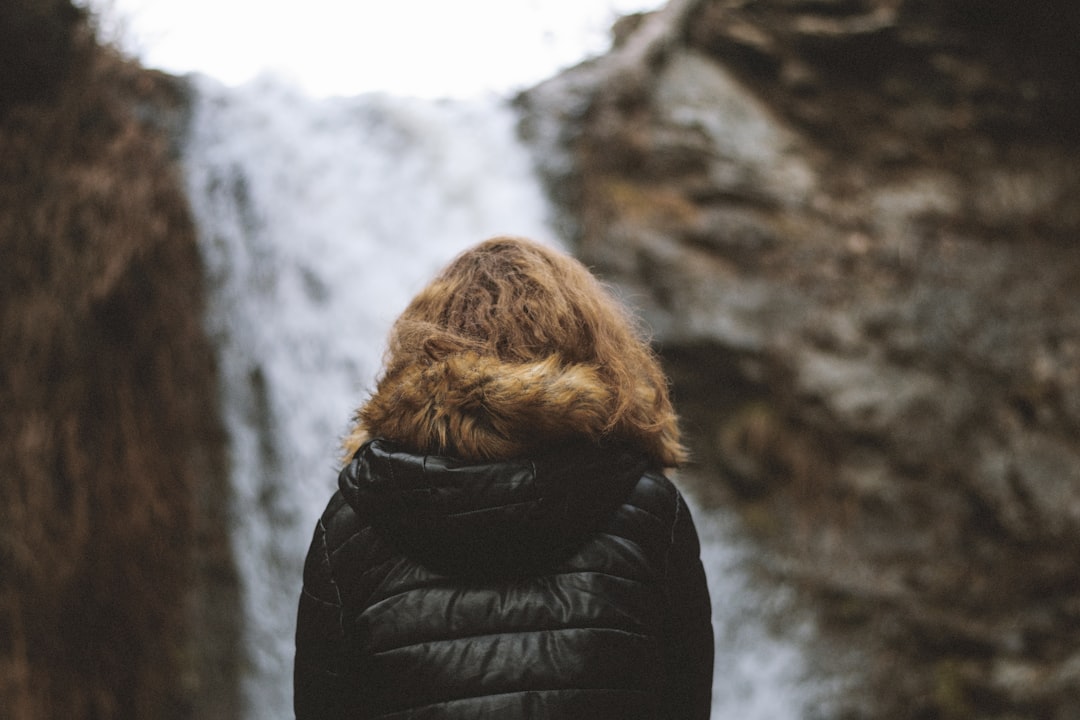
(480, 408)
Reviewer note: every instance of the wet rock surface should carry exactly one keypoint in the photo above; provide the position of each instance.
(852, 228)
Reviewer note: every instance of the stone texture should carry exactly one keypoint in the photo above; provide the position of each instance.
(851, 225)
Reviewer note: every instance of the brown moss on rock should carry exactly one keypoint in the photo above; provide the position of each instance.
(110, 434)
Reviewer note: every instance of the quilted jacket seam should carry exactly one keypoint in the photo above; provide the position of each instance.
(371, 602)
(333, 581)
(466, 698)
(477, 636)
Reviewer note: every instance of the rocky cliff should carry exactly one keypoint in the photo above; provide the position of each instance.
(111, 469)
(852, 225)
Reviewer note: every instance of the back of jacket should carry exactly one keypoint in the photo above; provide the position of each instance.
(562, 586)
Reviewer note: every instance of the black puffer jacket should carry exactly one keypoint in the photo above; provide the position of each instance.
(566, 585)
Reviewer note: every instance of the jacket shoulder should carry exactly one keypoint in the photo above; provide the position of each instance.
(647, 518)
(340, 522)
(655, 494)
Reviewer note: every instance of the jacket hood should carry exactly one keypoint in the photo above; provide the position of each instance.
(480, 408)
(493, 517)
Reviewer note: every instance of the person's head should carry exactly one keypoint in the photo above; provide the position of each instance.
(515, 346)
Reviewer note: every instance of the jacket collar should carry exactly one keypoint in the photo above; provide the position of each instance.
(487, 517)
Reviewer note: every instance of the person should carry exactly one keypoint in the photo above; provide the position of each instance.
(504, 542)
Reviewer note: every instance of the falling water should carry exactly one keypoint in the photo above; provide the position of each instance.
(318, 220)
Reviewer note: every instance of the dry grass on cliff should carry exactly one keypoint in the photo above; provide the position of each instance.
(107, 396)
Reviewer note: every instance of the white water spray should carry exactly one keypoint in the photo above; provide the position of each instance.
(318, 221)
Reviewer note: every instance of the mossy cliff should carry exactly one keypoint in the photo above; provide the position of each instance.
(852, 225)
(111, 468)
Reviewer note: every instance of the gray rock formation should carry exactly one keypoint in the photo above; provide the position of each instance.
(851, 225)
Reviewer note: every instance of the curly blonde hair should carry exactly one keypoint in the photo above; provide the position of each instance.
(515, 346)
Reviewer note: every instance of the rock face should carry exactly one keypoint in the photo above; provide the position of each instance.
(117, 592)
(851, 225)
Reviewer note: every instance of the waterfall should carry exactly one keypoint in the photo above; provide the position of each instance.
(318, 220)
